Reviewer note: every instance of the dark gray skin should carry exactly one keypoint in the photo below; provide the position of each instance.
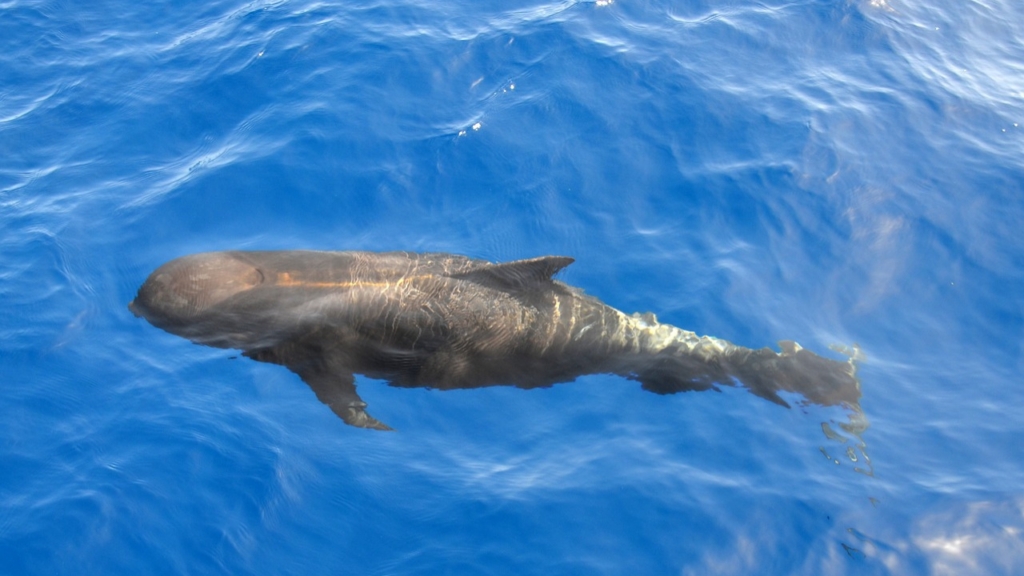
(447, 321)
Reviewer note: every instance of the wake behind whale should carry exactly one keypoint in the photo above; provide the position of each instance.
(448, 321)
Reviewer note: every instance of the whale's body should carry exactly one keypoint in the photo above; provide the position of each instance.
(448, 321)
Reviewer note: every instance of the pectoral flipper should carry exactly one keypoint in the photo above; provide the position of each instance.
(338, 392)
(333, 385)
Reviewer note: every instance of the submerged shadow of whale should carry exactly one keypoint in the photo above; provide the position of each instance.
(448, 321)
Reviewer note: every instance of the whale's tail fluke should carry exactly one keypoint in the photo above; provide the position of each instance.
(675, 360)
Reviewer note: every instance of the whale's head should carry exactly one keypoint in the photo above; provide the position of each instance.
(186, 291)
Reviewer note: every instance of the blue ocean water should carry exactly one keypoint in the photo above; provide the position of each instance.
(837, 172)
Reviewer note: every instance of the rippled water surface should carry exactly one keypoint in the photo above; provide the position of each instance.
(841, 173)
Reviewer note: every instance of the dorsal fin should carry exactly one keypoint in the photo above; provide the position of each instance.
(519, 274)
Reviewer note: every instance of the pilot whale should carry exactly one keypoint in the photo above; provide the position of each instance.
(448, 321)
